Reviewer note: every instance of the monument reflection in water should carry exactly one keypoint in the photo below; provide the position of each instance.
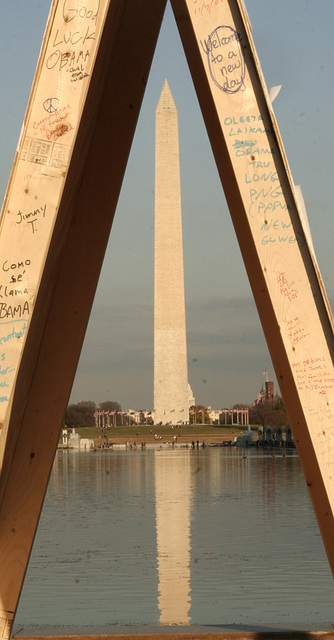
(209, 536)
(173, 498)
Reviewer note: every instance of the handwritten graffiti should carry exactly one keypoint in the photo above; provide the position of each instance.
(77, 73)
(20, 264)
(12, 312)
(312, 375)
(71, 11)
(62, 60)
(12, 335)
(225, 59)
(71, 46)
(295, 330)
(7, 292)
(51, 105)
(11, 332)
(287, 289)
(201, 7)
(15, 285)
(31, 217)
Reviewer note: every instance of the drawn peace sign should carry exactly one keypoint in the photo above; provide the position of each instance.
(51, 105)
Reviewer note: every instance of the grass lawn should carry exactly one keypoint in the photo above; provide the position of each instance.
(184, 433)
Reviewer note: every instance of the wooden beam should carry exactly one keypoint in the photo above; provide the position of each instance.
(69, 272)
(272, 234)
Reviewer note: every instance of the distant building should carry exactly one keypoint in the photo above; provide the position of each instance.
(269, 391)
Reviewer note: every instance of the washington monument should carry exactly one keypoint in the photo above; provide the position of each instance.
(171, 391)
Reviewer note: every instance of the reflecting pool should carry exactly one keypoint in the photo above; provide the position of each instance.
(193, 537)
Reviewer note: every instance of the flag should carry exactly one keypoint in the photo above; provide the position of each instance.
(259, 398)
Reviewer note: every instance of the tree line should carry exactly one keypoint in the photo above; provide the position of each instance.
(265, 413)
(83, 413)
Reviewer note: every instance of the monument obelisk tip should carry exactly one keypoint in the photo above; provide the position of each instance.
(166, 100)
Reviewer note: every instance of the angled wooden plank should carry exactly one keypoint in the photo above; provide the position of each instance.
(281, 267)
(40, 167)
(62, 286)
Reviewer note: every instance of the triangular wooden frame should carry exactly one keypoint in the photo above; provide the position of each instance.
(71, 160)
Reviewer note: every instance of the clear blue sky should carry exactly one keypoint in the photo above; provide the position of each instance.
(227, 353)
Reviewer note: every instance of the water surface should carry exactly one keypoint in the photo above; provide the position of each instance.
(211, 536)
